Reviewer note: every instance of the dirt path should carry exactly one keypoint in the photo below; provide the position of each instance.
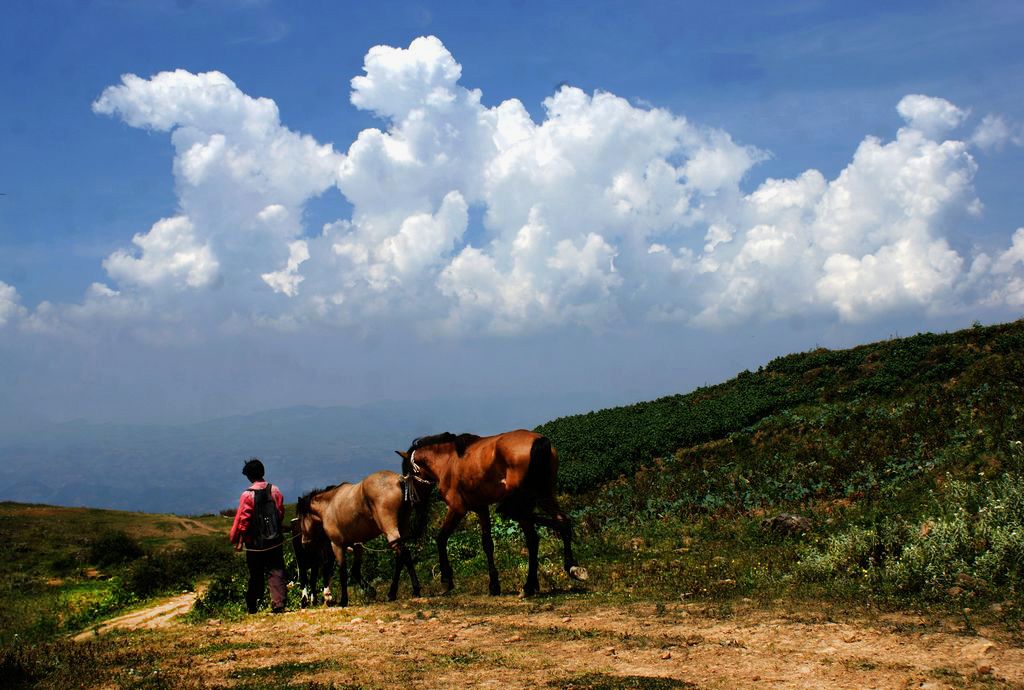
(479, 642)
(158, 616)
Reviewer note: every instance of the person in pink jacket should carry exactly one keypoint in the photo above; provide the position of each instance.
(258, 529)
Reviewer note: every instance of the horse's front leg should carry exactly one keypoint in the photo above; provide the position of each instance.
(411, 568)
(309, 574)
(357, 572)
(396, 547)
(339, 556)
(451, 520)
(403, 557)
(488, 543)
(326, 564)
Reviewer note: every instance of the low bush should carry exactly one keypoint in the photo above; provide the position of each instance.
(970, 542)
(178, 569)
(114, 547)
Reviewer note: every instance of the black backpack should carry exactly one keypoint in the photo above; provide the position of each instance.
(265, 526)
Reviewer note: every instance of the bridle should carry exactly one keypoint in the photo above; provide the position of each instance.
(416, 470)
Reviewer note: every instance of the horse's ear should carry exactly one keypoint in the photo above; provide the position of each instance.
(404, 456)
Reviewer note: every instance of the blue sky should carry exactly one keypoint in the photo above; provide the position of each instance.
(611, 239)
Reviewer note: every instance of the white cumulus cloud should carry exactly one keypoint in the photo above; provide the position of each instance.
(10, 304)
(170, 253)
(468, 217)
(934, 117)
(242, 180)
(995, 131)
(287, 280)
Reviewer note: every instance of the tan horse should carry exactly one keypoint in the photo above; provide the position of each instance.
(351, 514)
(516, 470)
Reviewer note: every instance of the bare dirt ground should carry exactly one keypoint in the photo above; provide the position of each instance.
(588, 642)
(160, 615)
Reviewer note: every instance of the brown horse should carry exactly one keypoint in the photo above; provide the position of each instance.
(351, 514)
(516, 470)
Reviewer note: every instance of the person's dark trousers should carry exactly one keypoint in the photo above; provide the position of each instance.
(262, 563)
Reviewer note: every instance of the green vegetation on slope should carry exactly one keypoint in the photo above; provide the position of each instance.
(67, 568)
(601, 445)
(906, 456)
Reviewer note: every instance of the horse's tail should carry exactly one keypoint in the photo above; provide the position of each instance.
(541, 474)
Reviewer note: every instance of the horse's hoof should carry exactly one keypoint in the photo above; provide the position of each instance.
(578, 572)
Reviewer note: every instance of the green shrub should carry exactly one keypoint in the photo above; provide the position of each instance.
(178, 569)
(225, 596)
(971, 541)
(114, 548)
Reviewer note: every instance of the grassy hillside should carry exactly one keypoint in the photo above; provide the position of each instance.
(980, 367)
(905, 455)
(64, 568)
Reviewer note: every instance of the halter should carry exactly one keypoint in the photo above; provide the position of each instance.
(408, 495)
(416, 469)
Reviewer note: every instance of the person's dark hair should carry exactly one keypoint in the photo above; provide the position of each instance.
(253, 469)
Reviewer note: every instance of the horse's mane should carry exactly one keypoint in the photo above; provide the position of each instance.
(302, 507)
(461, 441)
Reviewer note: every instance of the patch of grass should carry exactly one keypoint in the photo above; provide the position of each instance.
(861, 664)
(605, 681)
(956, 679)
(555, 632)
(219, 647)
(115, 660)
(466, 657)
(279, 675)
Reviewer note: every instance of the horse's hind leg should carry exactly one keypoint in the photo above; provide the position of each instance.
(357, 565)
(532, 544)
(339, 555)
(560, 522)
(357, 572)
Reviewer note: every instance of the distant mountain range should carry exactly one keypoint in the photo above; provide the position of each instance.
(196, 468)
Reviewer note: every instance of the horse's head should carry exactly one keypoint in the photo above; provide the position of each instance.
(406, 461)
(310, 521)
(419, 488)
